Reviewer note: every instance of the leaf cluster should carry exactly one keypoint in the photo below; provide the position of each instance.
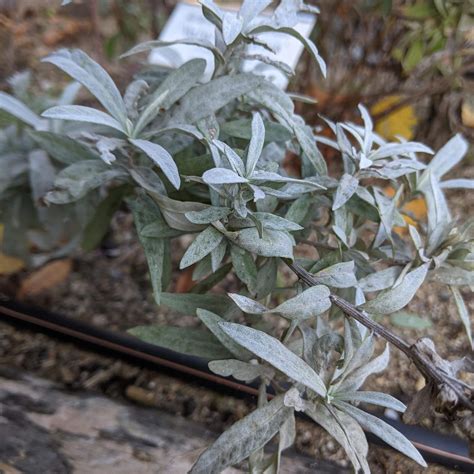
(206, 158)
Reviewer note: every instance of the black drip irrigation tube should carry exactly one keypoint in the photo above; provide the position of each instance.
(449, 451)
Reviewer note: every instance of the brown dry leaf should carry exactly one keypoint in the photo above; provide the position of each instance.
(141, 395)
(47, 277)
(185, 281)
(446, 393)
(292, 164)
(7, 469)
(65, 30)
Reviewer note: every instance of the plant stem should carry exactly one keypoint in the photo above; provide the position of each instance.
(424, 361)
(353, 312)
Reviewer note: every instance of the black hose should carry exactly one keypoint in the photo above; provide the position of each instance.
(449, 451)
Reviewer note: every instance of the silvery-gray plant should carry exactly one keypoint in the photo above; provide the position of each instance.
(205, 158)
(33, 151)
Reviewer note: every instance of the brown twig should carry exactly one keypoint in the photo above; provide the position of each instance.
(422, 360)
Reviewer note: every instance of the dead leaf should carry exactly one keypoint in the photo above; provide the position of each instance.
(292, 164)
(141, 395)
(185, 281)
(446, 393)
(7, 469)
(46, 278)
(65, 30)
(401, 122)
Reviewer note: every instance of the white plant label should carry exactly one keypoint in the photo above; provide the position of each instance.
(187, 21)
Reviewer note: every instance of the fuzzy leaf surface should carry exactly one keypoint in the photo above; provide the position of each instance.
(276, 354)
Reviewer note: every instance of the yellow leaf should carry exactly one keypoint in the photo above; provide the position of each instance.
(467, 113)
(413, 211)
(9, 265)
(401, 122)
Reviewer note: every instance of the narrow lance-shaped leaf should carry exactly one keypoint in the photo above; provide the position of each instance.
(307, 142)
(396, 298)
(160, 230)
(161, 158)
(380, 280)
(209, 215)
(99, 224)
(239, 370)
(205, 100)
(41, 174)
(190, 341)
(78, 179)
(462, 311)
(243, 438)
(409, 320)
(174, 212)
(19, 110)
(368, 127)
(135, 91)
(212, 12)
(233, 158)
(149, 45)
(91, 75)
(247, 305)
(242, 128)
(448, 156)
(272, 243)
(358, 358)
(309, 303)
(213, 323)
(358, 376)
(222, 176)
(307, 43)
(69, 94)
(62, 148)
(458, 184)
(386, 208)
(218, 254)
(80, 113)
(345, 430)
(201, 246)
(340, 275)
(144, 212)
(250, 9)
(276, 354)
(244, 267)
(384, 431)
(177, 84)
(392, 149)
(439, 216)
(188, 303)
(231, 27)
(346, 189)
(272, 221)
(373, 398)
(454, 276)
(256, 143)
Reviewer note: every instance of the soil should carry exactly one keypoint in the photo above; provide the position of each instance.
(110, 288)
